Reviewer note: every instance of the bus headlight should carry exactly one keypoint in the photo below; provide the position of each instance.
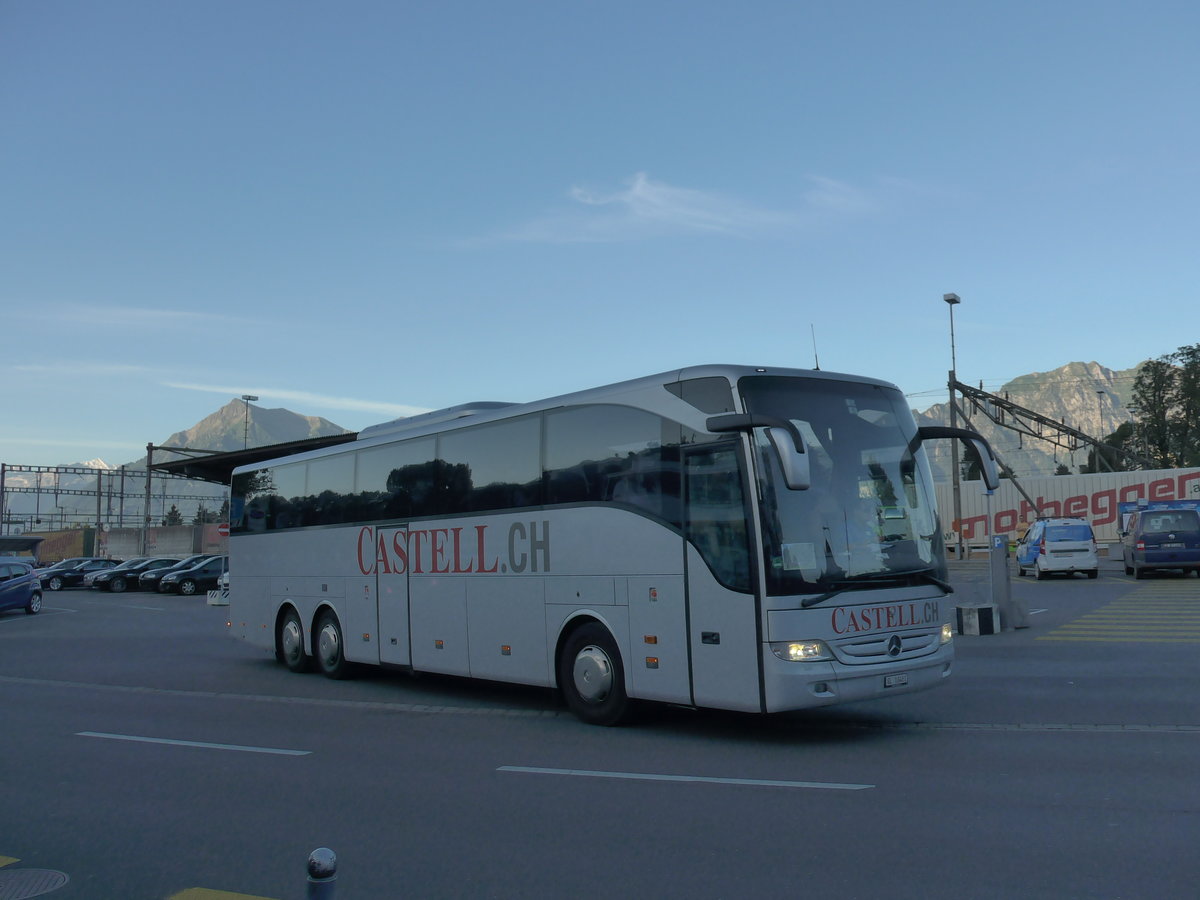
(947, 634)
(801, 651)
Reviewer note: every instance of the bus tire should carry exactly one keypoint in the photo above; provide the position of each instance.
(289, 643)
(329, 646)
(591, 676)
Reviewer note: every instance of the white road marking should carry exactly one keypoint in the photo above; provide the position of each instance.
(201, 744)
(638, 776)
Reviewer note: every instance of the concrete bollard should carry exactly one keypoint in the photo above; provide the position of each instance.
(322, 874)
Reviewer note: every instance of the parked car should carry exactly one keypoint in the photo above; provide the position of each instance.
(20, 587)
(203, 577)
(148, 581)
(61, 575)
(1058, 546)
(126, 575)
(89, 579)
(1161, 539)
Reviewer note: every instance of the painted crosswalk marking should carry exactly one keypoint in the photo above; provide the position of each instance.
(1160, 613)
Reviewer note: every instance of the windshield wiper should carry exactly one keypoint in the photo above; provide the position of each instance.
(861, 581)
(920, 573)
(843, 586)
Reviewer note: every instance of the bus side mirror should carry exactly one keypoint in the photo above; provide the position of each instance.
(987, 460)
(793, 461)
(783, 435)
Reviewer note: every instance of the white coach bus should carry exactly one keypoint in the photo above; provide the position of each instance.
(722, 536)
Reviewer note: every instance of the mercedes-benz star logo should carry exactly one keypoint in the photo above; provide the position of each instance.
(895, 645)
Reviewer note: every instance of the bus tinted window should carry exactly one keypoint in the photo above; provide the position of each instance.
(263, 500)
(717, 516)
(396, 480)
(495, 466)
(594, 454)
(710, 395)
(329, 491)
(613, 454)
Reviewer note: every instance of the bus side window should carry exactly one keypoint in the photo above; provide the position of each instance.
(716, 519)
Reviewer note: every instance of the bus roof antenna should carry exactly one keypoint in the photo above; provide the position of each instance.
(816, 362)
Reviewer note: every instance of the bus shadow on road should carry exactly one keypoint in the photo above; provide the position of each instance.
(437, 693)
(817, 726)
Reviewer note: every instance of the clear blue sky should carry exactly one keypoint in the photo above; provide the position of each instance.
(355, 209)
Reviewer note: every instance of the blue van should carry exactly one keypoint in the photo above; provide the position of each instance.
(1161, 539)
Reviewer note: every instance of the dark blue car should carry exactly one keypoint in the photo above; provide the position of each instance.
(20, 587)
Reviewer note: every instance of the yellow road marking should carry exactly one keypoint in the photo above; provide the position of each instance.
(207, 894)
(1154, 614)
(8, 860)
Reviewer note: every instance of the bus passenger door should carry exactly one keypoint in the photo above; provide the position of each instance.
(722, 608)
(392, 597)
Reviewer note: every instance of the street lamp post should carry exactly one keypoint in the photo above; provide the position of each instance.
(952, 300)
(247, 398)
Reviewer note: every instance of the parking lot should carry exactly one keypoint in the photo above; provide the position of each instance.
(150, 755)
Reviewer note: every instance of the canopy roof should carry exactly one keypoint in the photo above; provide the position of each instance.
(218, 467)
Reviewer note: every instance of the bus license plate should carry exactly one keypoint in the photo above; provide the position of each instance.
(890, 681)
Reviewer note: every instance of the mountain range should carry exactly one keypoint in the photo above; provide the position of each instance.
(227, 429)
(1087, 396)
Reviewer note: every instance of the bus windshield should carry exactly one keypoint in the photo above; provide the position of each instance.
(869, 518)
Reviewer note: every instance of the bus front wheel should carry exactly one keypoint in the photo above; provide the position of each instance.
(591, 676)
(289, 643)
(330, 655)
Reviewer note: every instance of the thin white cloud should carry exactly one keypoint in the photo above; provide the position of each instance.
(323, 401)
(125, 317)
(828, 195)
(646, 208)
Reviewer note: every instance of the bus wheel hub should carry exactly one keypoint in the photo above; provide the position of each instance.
(593, 674)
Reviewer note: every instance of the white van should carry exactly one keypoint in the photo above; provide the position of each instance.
(1058, 545)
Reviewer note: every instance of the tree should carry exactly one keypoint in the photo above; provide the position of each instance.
(173, 516)
(1185, 422)
(1111, 460)
(1167, 392)
(1063, 469)
(204, 516)
(1152, 390)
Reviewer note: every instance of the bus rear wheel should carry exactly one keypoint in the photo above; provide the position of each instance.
(591, 676)
(331, 657)
(289, 643)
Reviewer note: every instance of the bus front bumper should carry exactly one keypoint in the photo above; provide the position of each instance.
(804, 685)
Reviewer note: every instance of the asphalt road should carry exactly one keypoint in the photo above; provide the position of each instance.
(148, 755)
